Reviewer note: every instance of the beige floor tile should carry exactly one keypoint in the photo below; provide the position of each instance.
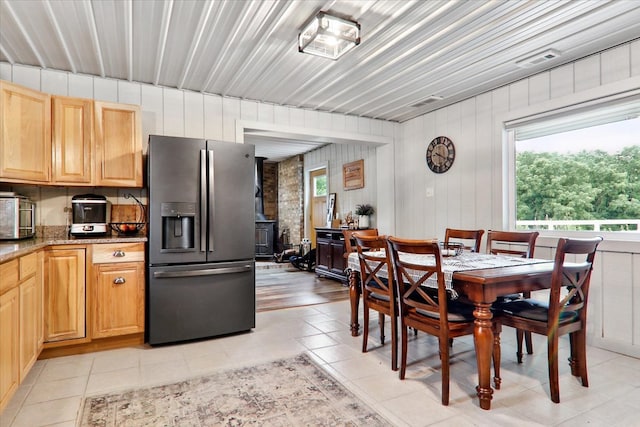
(68, 369)
(47, 413)
(113, 380)
(52, 390)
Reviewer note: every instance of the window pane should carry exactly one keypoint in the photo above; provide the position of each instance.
(320, 186)
(585, 179)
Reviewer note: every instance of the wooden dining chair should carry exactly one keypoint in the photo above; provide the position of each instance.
(564, 313)
(426, 308)
(349, 243)
(474, 235)
(517, 244)
(378, 293)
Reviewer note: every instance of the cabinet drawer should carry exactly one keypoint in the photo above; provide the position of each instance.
(118, 252)
(8, 275)
(28, 265)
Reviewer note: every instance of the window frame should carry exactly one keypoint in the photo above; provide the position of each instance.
(509, 127)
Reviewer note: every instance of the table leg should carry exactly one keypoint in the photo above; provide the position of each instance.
(354, 297)
(483, 339)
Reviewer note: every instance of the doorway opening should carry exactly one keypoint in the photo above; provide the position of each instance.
(317, 200)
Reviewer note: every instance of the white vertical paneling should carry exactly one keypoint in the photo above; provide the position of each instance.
(499, 107)
(54, 82)
(296, 117)
(454, 175)
(5, 71)
(152, 116)
(587, 73)
(266, 113)
(311, 119)
(635, 58)
(519, 95)
(27, 76)
(351, 124)
(635, 315)
(561, 83)
(483, 159)
(80, 86)
(173, 112)
(375, 127)
(466, 163)
(129, 92)
(617, 296)
(213, 117)
(230, 113)
(364, 125)
(193, 114)
(281, 115)
(324, 120)
(338, 122)
(616, 64)
(105, 89)
(539, 88)
(248, 110)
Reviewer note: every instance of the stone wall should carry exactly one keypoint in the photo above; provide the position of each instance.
(291, 198)
(270, 189)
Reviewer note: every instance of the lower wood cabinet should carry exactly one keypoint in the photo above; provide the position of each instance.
(118, 285)
(65, 312)
(330, 249)
(21, 317)
(118, 299)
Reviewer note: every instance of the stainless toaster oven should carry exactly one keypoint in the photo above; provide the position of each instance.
(17, 217)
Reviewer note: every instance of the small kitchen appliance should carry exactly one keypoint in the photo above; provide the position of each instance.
(89, 215)
(17, 217)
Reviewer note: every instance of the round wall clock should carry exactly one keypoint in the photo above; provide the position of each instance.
(440, 154)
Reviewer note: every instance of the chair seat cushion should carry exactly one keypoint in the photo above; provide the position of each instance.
(458, 311)
(376, 291)
(531, 309)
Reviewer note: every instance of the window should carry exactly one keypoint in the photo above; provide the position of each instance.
(319, 185)
(579, 170)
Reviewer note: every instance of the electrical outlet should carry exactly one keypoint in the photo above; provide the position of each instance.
(429, 192)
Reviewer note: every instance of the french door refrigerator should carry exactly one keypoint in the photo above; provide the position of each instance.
(201, 250)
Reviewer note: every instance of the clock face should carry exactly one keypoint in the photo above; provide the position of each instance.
(440, 154)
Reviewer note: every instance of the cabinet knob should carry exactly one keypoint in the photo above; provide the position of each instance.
(118, 281)
(118, 253)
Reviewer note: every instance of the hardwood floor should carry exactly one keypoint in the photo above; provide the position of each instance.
(287, 286)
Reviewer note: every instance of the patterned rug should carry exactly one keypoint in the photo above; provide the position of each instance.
(288, 392)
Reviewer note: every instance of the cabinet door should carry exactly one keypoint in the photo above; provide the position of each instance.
(29, 348)
(337, 257)
(39, 313)
(9, 345)
(25, 134)
(64, 294)
(72, 139)
(323, 254)
(118, 299)
(118, 145)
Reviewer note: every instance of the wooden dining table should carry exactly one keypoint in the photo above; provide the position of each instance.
(481, 286)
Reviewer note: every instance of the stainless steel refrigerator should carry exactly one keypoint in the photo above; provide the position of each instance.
(201, 251)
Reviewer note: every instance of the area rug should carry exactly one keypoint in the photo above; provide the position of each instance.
(287, 392)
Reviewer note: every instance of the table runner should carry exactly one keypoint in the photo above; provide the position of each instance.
(463, 262)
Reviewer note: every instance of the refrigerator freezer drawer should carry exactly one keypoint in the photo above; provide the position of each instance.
(189, 302)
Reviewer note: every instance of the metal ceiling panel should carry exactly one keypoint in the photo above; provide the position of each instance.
(409, 50)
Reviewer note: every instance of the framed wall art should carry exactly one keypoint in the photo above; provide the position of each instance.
(353, 175)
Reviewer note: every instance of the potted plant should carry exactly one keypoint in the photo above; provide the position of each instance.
(364, 211)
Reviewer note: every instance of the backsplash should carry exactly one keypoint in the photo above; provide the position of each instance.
(53, 204)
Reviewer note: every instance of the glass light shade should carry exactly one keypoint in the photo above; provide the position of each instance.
(328, 36)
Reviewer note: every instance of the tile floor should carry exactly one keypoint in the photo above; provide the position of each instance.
(53, 392)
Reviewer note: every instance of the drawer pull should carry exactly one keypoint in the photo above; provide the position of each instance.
(118, 253)
(118, 281)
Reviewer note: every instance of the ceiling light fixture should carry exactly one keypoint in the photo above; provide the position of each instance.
(328, 36)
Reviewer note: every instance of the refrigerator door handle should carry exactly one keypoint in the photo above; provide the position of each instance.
(211, 201)
(203, 201)
(205, 272)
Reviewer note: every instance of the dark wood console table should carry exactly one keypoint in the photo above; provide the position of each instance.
(330, 250)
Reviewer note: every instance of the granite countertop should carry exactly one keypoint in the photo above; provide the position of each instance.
(15, 248)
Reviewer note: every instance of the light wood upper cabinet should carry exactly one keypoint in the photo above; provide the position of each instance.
(64, 294)
(25, 134)
(72, 141)
(118, 145)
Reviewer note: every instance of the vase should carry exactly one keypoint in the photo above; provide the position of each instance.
(363, 221)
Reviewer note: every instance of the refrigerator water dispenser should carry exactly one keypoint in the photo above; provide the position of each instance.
(178, 225)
